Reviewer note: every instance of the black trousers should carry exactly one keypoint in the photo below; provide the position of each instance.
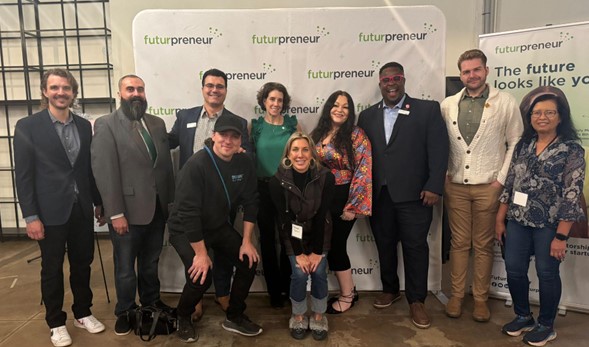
(78, 235)
(408, 223)
(275, 262)
(337, 257)
(225, 242)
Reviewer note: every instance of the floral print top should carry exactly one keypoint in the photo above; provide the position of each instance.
(360, 178)
(552, 180)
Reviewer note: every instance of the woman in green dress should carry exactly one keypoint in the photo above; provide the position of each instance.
(269, 134)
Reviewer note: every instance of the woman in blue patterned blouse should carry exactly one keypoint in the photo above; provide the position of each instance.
(541, 201)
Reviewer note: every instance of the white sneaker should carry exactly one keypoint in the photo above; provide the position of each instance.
(60, 337)
(89, 323)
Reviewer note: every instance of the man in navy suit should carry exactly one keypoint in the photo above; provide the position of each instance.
(194, 125)
(410, 156)
(56, 190)
(191, 128)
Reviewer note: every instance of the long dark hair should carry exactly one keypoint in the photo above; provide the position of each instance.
(342, 141)
(565, 129)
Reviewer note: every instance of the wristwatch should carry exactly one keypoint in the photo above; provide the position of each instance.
(561, 237)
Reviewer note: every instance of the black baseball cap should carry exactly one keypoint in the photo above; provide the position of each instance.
(228, 122)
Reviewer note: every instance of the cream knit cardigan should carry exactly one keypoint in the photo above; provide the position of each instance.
(487, 157)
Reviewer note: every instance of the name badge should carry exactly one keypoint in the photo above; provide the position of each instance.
(520, 199)
(297, 231)
(405, 112)
(190, 125)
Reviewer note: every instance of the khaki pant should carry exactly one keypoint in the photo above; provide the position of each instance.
(471, 214)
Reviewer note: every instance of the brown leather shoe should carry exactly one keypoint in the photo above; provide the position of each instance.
(454, 307)
(419, 316)
(481, 311)
(197, 314)
(385, 300)
(223, 301)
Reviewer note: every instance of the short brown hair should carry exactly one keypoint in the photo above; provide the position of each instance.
(472, 54)
(61, 73)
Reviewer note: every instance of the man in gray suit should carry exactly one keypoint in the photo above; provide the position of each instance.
(133, 169)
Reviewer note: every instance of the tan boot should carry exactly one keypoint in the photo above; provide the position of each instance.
(223, 301)
(481, 311)
(454, 307)
(197, 314)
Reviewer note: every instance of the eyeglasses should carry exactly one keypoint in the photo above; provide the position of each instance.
(392, 78)
(213, 86)
(547, 113)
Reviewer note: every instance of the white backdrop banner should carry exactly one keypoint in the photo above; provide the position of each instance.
(520, 61)
(313, 52)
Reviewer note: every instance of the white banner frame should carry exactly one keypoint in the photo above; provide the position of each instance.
(313, 52)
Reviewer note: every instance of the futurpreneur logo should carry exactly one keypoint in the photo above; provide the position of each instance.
(538, 46)
(244, 75)
(177, 40)
(338, 74)
(297, 110)
(506, 49)
(428, 28)
(290, 39)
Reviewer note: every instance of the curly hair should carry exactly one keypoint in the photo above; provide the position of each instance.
(265, 91)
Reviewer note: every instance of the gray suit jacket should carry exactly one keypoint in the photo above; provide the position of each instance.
(127, 179)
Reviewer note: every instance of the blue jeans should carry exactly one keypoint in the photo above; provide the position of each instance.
(521, 242)
(144, 244)
(298, 287)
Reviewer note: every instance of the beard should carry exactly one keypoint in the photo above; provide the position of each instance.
(134, 108)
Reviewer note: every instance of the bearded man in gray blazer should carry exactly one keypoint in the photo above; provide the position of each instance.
(133, 169)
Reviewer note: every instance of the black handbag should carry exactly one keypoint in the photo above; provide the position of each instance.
(151, 321)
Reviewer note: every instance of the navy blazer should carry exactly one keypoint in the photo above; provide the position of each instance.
(183, 136)
(416, 157)
(44, 174)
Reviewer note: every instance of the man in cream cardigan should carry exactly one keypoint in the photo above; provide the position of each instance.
(484, 125)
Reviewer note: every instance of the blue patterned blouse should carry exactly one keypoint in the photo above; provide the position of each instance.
(553, 182)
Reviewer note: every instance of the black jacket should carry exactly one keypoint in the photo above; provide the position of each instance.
(309, 207)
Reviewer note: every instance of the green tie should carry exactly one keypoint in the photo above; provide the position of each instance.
(149, 142)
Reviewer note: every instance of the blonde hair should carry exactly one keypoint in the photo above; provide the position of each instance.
(297, 135)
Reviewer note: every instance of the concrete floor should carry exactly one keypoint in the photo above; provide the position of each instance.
(22, 317)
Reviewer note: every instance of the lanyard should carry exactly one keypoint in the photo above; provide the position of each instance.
(220, 176)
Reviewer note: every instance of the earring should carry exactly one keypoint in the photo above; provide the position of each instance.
(287, 163)
(312, 163)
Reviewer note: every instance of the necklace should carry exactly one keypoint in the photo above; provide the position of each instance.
(538, 153)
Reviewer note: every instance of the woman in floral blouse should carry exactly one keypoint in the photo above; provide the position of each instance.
(345, 150)
(541, 200)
